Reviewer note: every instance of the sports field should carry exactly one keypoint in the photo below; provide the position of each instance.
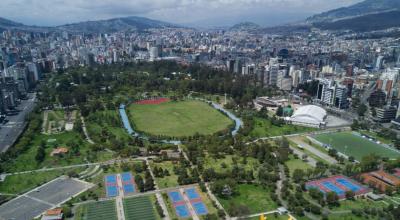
(356, 146)
(139, 208)
(104, 210)
(178, 119)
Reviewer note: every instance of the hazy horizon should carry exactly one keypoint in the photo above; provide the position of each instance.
(199, 13)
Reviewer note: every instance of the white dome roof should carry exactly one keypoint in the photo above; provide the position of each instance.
(309, 114)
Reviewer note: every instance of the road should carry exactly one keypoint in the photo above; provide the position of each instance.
(16, 124)
(314, 151)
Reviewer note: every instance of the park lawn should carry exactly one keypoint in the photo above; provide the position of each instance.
(294, 164)
(348, 216)
(166, 181)
(108, 120)
(356, 146)
(21, 183)
(26, 160)
(178, 119)
(255, 197)
(358, 204)
(264, 128)
(216, 164)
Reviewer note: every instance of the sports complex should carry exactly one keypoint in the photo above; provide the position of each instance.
(338, 184)
(354, 144)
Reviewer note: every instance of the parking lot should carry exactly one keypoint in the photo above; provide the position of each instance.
(36, 201)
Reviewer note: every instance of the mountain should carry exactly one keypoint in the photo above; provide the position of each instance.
(360, 9)
(369, 15)
(102, 26)
(245, 26)
(115, 25)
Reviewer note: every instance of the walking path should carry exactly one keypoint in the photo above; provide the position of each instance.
(118, 200)
(159, 197)
(85, 131)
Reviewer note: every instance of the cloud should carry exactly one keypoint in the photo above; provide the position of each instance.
(204, 12)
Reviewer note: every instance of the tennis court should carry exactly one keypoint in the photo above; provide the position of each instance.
(111, 185)
(175, 196)
(196, 201)
(128, 184)
(338, 184)
(182, 211)
(200, 208)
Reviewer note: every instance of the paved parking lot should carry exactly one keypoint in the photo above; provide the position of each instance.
(36, 201)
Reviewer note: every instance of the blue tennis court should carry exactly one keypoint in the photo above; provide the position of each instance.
(111, 179)
(128, 188)
(192, 193)
(111, 191)
(182, 211)
(200, 208)
(126, 177)
(175, 196)
(349, 185)
(333, 188)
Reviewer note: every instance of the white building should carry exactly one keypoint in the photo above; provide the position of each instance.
(309, 116)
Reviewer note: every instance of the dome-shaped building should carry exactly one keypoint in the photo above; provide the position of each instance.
(310, 116)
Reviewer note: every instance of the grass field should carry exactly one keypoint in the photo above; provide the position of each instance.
(104, 210)
(166, 181)
(264, 127)
(255, 197)
(139, 208)
(294, 164)
(356, 146)
(178, 119)
(225, 164)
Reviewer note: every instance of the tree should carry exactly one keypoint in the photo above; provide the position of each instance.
(139, 182)
(362, 109)
(298, 175)
(279, 111)
(40, 154)
(350, 195)
(332, 198)
(149, 182)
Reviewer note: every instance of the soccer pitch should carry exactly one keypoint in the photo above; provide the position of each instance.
(356, 146)
(178, 119)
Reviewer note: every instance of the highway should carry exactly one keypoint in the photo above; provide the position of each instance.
(10, 131)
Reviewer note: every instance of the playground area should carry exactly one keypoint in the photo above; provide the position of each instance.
(338, 184)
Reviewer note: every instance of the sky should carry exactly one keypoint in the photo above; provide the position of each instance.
(199, 13)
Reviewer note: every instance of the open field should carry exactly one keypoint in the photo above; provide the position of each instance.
(264, 127)
(356, 146)
(23, 182)
(178, 119)
(26, 160)
(226, 163)
(294, 164)
(166, 181)
(255, 197)
(139, 208)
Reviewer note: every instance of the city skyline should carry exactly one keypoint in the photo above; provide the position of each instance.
(190, 13)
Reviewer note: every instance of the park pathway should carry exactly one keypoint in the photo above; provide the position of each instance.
(314, 151)
(159, 197)
(119, 199)
(85, 131)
